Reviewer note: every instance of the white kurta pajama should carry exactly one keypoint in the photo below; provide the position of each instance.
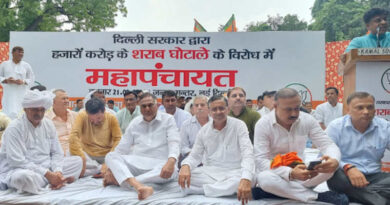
(144, 149)
(29, 152)
(12, 93)
(228, 158)
(271, 139)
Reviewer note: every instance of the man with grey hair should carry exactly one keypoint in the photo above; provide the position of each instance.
(62, 117)
(31, 156)
(228, 165)
(191, 127)
(363, 139)
(284, 131)
(147, 152)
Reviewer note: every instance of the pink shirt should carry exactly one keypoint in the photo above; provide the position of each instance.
(63, 127)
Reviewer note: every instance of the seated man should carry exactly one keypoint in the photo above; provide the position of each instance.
(229, 166)
(31, 156)
(147, 152)
(285, 130)
(130, 111)
(62, 117)
(169, 99)
(191, 127)
(363, 139)
(94, 134)
(237, 99)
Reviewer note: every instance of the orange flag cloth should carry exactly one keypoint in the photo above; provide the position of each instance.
(290, 159)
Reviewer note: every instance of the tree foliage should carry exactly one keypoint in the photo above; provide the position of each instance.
(58, 15)
(278, 23)
(341, 19)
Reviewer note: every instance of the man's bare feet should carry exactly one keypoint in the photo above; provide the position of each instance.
(144, 192)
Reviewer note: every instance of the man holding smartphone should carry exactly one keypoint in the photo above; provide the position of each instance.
(283, 131)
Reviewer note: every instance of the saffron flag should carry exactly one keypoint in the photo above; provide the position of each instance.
(230, 26)
(198, 27)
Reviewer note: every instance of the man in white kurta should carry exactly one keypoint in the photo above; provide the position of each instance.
(191, 127)
(16, 76)
(285, 130)
(169, 101)
(31, 156)
(330, 110)
(147, 152)
(229, 166)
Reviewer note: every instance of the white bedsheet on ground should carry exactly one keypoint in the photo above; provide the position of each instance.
(90, 191)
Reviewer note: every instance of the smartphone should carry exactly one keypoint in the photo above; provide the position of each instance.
(313, 164)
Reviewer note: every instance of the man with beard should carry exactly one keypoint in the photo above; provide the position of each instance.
(94, 134)
(130, 111)
(147, 152)
(228, 165)
(284, 132)
(238, 109)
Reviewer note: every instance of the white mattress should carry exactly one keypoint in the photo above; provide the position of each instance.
(90, 191)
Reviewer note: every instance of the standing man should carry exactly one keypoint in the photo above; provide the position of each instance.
(15, 77)
(169, 101)
(259, 102)
(62, 117)
(363, 139)
(284, 131)
(130, 111)
(238, 109)
(229, 165)
(147, 152)
(94, 134)
(330, 110)
(31, 156)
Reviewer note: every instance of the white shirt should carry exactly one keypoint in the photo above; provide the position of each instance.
(158, 138)
(12, 93)
(189, 130)
(229, 148)
(271, 139)
(179, 115)
(263, 111)
(26, 147)
(325, 112)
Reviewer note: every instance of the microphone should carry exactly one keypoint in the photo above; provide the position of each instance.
(378, 45)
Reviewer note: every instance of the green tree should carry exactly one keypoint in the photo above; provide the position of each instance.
(341, 19)
(384, 4)
(290, 22)
(58, 15)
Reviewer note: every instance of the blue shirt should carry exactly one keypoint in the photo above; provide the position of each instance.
(369, 41)
(364, 150)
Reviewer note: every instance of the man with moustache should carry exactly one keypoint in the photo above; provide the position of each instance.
(130, 111)
(16, 76)
(191, 127)
(94, 134)
(147, 152)
(62, 117)
(285, 130)
(238, 109)
(169, 101)
(363, 139)
(31, 156)
(228, 165)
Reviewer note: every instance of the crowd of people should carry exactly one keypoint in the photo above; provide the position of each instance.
(217, 146)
